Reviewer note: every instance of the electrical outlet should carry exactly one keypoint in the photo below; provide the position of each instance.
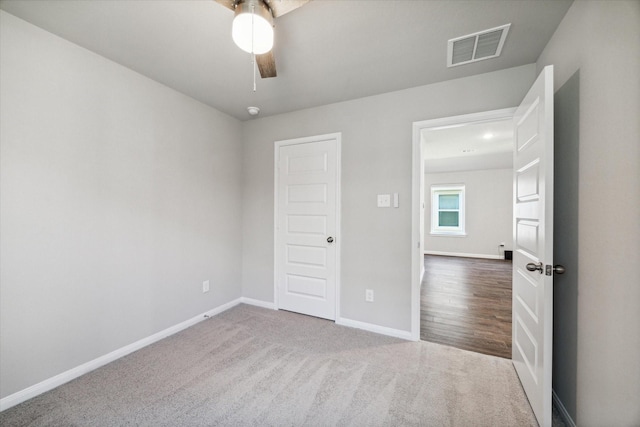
(205, 286)
(368, 295)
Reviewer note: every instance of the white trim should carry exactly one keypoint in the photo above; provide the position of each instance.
(397, 333)
(562, 411)
(463, 255)
(338, 217)
(417, 239)
(73, 373)
(258, 303)
(338, 235)
(417, 256)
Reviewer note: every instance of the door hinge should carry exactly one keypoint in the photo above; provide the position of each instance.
(549, 270)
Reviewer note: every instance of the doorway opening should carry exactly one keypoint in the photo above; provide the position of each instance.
(464, 187)
(533, 267)
(466, 303)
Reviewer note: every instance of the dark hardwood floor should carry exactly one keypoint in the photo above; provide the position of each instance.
(466, 303)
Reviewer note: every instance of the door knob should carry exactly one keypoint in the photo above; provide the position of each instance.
(559, 269)
(535, 267)
(330, 239)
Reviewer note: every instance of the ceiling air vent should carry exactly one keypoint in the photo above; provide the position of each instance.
(476, 47)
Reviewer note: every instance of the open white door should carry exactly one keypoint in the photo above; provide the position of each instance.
(307, 225)
(533, 245)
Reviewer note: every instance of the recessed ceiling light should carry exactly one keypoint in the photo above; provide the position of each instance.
(487, 135)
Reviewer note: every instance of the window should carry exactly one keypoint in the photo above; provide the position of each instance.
(447, 210)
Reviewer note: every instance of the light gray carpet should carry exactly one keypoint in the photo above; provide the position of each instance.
(252, 366)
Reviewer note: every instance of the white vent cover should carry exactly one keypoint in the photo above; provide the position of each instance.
(476, 47)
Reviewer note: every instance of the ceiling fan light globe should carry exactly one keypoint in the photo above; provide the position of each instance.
(262, 31)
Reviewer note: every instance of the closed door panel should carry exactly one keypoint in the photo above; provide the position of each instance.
(306, 226)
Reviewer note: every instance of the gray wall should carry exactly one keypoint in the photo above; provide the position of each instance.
(376, 159)
(601, 40)
(119, 197)
(488, 208)
(566, 205)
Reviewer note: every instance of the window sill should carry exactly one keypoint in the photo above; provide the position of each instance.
(448, 234)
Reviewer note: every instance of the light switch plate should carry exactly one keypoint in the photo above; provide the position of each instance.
(384, 200)
(368, 295)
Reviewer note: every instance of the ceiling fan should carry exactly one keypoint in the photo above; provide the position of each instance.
(263, 11)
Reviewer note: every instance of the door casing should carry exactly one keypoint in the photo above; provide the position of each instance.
(417, 239)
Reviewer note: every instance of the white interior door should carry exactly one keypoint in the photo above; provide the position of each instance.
(306, 258)
(533, 245)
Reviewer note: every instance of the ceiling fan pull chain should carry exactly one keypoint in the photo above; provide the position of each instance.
(254, 71)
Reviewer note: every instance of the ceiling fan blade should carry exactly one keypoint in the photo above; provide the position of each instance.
(229, 4)
(280, 7)
(266, 65)
(266, 62)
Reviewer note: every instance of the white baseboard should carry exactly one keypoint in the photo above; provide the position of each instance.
(397, 333)
(342, 321)
(463, 255)
(64, 377)
(258, 303)
(564, 414)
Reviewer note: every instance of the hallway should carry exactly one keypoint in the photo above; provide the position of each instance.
(466, 303)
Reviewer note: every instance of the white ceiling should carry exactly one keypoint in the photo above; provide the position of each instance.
(476, 146)
(327, 51)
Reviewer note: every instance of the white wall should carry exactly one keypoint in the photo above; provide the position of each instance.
(376, 159)
(119, 197)
(566, 203)
(488, 213)
(601, 40)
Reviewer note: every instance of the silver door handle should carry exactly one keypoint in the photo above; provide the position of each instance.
(535, 267)
(330, 239)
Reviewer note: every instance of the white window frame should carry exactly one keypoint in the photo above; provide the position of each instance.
(436, 229)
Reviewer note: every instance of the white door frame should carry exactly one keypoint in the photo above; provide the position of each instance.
(417, 189)
(338, 235)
